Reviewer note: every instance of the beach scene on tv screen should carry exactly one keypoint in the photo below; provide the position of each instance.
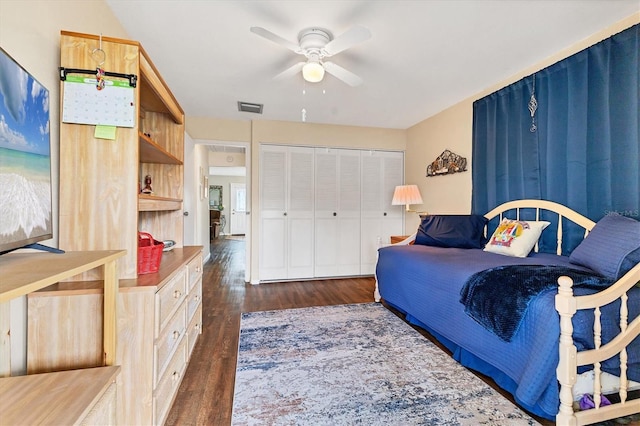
(25, 167)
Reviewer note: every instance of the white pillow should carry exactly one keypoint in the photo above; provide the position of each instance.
(515, 237)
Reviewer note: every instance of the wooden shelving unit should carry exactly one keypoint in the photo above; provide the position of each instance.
(66, 397)
(160, 319)
(24, 273)
(103, 209)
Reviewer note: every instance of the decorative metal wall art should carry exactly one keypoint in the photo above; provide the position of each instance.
(447, 163)
(533, 106)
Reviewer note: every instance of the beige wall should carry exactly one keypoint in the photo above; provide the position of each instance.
(206, 128)
(452, 129)
(226, 159)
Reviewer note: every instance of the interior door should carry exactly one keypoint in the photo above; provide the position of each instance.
(238, 201)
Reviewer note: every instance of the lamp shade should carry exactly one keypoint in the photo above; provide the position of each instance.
(313, 72)
(406, 194)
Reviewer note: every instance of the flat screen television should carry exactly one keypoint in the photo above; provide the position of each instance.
(25, 158)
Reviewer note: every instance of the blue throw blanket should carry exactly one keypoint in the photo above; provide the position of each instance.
(497, 298)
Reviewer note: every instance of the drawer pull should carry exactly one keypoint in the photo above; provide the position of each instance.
(197, 297)
(175, 376)
(198, 268)
(197, 327)
(177, 294)
(176, 334)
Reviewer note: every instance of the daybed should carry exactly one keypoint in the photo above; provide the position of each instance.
(534, 358)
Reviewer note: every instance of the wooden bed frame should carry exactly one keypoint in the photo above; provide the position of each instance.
(567, 305)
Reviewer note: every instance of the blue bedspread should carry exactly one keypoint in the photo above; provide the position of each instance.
(425, 283)
(500, 308)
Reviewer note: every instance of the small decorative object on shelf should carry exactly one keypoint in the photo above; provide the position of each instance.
(147, 185)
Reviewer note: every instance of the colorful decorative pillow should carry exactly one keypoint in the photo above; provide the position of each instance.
(458, 231)
(515, 237)
(612, 247)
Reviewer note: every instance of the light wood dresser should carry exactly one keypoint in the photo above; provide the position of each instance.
(159, 321)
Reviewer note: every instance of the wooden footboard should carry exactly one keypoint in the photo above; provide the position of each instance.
(570, 359)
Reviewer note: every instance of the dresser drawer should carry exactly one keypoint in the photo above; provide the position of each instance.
(168, 298)
(169, 383)
(194, 300)
(165, 345)
(195, 329)
(195, 270)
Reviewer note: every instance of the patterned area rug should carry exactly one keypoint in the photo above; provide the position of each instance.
(354, 364)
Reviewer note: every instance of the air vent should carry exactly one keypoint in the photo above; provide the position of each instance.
(249, 107)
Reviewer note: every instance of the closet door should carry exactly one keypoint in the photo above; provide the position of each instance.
(273, 212)
(286, 212)
(349, 212)
(300, 212)
(327, 230)
(337, 213)
(381, 173)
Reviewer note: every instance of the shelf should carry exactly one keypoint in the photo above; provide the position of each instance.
(24, 273)
(151, 203)
(28, 272)
(151, 152)
(53, 398)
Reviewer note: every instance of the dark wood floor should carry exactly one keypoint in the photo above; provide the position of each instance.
(206, 393)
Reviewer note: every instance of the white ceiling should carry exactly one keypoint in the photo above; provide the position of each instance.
(423, 57)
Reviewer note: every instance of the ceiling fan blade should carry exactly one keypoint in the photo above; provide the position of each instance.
(275, 38)
(342, 74)
(353, 36)
(289, 72)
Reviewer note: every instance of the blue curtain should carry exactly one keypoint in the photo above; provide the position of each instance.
(585, 151)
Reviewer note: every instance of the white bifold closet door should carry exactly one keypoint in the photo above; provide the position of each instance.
(337, 212)
(381, 172)
(286, 212)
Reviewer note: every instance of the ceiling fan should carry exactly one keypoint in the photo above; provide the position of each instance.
(317, 44)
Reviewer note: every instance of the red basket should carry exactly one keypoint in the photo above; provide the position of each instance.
(149, 253)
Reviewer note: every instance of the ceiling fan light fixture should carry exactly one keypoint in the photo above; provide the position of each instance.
(313, 72)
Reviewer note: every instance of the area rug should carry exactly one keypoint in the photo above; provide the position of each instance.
(354, 364)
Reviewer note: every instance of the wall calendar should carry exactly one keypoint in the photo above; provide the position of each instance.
(82, 103)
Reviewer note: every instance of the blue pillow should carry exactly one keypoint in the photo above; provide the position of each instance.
(459, 231)
(612, 247)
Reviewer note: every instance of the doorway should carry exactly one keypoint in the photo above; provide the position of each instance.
(230, 164)
(238, 204)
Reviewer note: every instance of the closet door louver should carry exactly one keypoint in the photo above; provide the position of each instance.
(300, 212)
(381, 173)
(273, 221)
(337, 214)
